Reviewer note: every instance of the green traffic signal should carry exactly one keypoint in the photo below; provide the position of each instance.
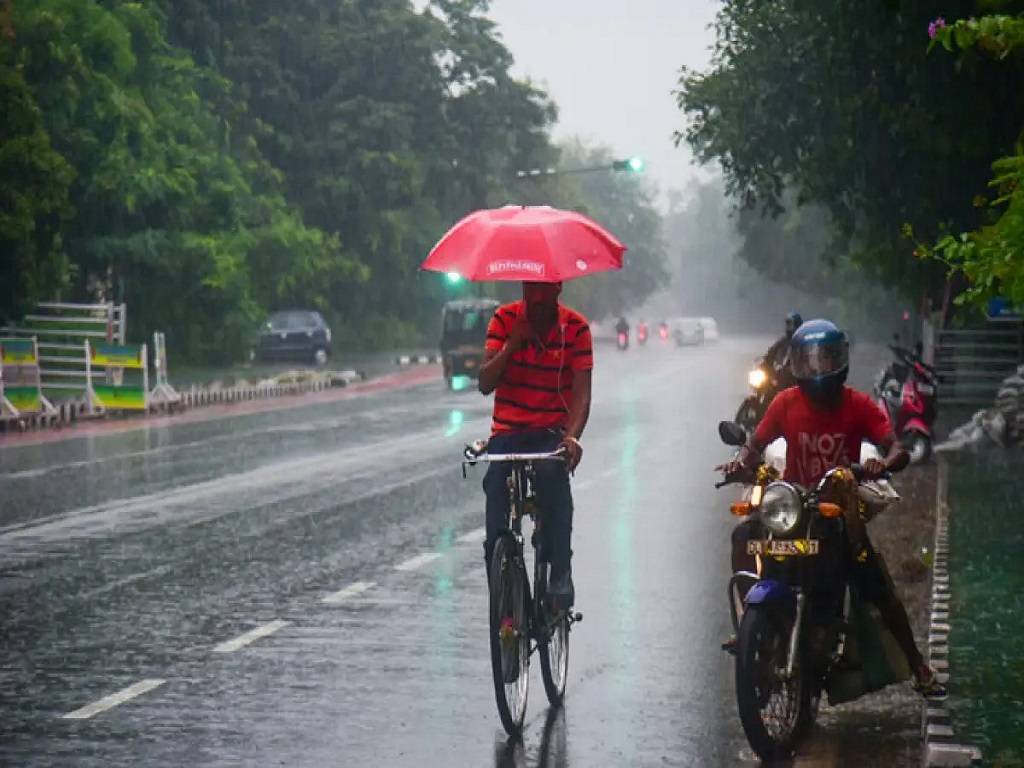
(631, 164)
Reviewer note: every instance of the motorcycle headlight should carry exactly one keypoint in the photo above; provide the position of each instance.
(780, 508)
(757, 378)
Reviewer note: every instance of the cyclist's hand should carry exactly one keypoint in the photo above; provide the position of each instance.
(520, 332)
(573, 452)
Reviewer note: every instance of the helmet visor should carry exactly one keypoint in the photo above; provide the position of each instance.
(819, 358)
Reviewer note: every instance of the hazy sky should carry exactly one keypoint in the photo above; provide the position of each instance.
(611, 66)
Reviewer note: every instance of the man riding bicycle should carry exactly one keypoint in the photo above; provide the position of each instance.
(538, 363)
(824, 422)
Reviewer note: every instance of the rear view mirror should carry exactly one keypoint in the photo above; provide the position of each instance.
(732, 433)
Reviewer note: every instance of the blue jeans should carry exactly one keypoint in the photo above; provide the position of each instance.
(551, 483)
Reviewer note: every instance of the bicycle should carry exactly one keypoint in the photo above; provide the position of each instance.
(521, 620)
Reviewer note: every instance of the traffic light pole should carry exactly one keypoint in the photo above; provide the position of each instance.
(633, 164)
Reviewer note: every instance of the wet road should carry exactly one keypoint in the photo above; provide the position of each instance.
(305, 588)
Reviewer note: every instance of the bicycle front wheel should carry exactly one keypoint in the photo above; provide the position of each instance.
(510, 633)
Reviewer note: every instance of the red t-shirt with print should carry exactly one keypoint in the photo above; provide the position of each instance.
(536, 389)
(818, 439)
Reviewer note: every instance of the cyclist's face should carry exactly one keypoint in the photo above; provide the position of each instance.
(541, 297)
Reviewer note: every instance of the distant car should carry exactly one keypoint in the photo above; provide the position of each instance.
(710, 328)
(295, 335)
(686, 331)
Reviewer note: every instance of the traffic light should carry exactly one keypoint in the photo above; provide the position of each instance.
(631, 164)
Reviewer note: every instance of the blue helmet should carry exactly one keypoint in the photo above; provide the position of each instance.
(819, 356)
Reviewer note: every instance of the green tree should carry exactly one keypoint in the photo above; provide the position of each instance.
(838, 104)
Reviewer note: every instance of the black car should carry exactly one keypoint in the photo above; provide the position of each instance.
(295, 335)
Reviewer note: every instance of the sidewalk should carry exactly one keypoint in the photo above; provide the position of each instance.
(987, 606)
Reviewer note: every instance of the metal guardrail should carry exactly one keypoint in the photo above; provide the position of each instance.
(62, 328)
(972, 363)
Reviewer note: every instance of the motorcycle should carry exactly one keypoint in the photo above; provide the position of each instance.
(763, 381)
(907, 392)
(622, 340)
(641, 334)
(663, 331)
(800, 630)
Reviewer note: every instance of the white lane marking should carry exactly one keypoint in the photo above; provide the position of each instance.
(111, 701)
(356, 588)
(251, 636)
(473, 537)
(417, 562)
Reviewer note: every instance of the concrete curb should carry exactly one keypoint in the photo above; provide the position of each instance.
(418, 360)
(70, 411)
(941, 750)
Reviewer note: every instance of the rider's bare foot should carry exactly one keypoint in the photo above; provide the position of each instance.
(927, 683)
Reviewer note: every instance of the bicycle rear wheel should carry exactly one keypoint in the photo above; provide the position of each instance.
(510, 633)
(554, 653)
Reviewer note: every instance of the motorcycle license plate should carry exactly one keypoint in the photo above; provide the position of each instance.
(471, 363)
(783, 547)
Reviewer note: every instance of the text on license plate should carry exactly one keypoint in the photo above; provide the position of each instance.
(783, 547)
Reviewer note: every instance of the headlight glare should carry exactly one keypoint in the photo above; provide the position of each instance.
(757, 378)
(780, 508)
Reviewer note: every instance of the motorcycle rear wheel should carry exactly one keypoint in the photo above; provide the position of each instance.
(772, 709)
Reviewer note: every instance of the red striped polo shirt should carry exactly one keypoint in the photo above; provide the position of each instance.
(536, 389)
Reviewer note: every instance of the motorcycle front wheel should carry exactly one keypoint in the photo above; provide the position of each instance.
(770, 704)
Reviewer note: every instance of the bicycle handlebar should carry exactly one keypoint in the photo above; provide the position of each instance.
(472, 458)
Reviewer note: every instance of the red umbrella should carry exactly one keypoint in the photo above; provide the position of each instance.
(536, 243)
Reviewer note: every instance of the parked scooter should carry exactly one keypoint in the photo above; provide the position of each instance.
(907, 390)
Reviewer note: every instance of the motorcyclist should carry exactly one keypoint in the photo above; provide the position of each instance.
(622, 326)
(777, 357)
(824, 423)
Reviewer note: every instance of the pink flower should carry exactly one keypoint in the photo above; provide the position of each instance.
(935, 26)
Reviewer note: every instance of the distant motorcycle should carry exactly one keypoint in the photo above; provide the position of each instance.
(763, 380)
(800, 630)
(622, 339)
(641, 334)
(663, 331)
(907, 390)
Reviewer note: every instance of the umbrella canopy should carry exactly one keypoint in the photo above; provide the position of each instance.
(533, 243)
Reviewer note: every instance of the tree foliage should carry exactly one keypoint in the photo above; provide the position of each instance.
(210, 162)
(838, 104)
(991, 256)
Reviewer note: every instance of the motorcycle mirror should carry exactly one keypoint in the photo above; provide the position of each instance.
(732, 433)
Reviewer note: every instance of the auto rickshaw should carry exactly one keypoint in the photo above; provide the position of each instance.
(463, 332)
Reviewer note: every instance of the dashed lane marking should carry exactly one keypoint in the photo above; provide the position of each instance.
(356, 588)
(251, 636)
(417, 562)
(111, 701)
